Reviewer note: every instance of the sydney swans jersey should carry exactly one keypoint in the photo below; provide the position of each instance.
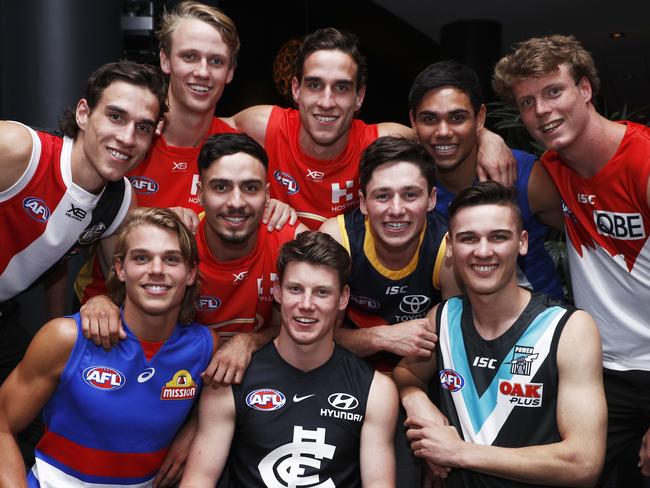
(500, 392)
(317, 189)
(47, 218)
(380, 296)
(114, 414)
(607, 222)
(296, 428)
(237, 296)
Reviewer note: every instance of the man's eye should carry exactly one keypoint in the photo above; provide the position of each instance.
(216, 61)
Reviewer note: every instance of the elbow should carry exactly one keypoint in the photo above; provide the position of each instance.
(586, 472)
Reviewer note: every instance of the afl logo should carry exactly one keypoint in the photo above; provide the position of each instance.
(265, 399)
(286, 180)
(451, 380)
(104, 378)
(143, 185)
(343, 401)
(365, 302)
(208, 304)
(36, 209)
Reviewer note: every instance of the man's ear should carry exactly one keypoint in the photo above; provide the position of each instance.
(359, 99)
(82, 113)
(345, 297)
(480, 117)
(277, 292)
(362, 204)
(523, 243)
(584, 85)
(119, 269)
(431, 203)
(164, 63)
(295, 89)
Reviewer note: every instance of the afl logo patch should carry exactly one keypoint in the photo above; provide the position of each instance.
(36, 209)
(265, 399)
(143, 185)
(451, 380)
(365, 302)
(207, 303)
(104, 377)
(287, 180)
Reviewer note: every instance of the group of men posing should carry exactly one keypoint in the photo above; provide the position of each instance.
(417, 268)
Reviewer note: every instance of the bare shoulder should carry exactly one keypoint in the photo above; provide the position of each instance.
(51, 347)
(331, 227)
(394, 129)
(252, 121)
(383, 388)
(16, 149)
(580, 334)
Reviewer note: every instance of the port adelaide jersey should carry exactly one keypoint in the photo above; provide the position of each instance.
(500, 392)
(297, 428)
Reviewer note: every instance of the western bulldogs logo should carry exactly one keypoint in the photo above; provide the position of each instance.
(265, 399)
(104, 377)
(451, 380)
(143, 185)
(36, 209)
(287, 180)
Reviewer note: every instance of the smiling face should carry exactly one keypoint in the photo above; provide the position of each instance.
(554, 108)
(485, 241)
(115, 135)
(396, 203)
(199, 66)
(447, 126)
(327, 98)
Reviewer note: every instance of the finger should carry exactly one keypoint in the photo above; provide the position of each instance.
(512, 177)
(217, 379)
(114, 326)
(294, 217)
(482, 175)
(228, 377)
(160, 477)
(85, 325)
(239, 376)
(268, 210)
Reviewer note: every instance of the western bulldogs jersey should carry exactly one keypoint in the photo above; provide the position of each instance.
(536, 268)
(317, 189)
(607, 222)
(47, 218)
(237, 296)
(380, 296)
(114, 414)
(500, 392)
(296, 428)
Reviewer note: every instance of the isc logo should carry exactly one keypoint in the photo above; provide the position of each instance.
(36, 209)
(619, 225)
(286, 180)
(104, 378)
(482, 362)
(396, 290)
(143, 185)
(208, 303)
(521, 394)
(451, 380)
(265, 399)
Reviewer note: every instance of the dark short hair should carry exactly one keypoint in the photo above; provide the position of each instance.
(331, 39)
(446, 73)
(137, 74)
(390, 149)
(485, 193)
(316, 248)
(219, 145)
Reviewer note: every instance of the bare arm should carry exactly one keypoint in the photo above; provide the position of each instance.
(16, 149)
(252, 121)
(377, 450)
(495, 160)
(396, 130)
(28, 388)
(544, 199)
(211, 445)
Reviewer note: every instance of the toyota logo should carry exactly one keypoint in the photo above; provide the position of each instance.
(343, 401)
(413, 304)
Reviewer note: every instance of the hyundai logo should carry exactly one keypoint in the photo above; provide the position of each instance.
(343, 401)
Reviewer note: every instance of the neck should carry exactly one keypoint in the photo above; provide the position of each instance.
(151, 328)
(304, 357)
(324, 153)
(461, 176)
(223, 250)
(186, 129)
(83, 173)
(494, 314)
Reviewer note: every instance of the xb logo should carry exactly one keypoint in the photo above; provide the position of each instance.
(343, 401)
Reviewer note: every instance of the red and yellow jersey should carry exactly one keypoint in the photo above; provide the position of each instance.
(316, 189)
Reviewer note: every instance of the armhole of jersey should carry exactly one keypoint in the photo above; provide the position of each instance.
(439, 310)
(124, 208)
(75, 353)
(340, 219)
(30, 170)
(559, 328)
(201, 215)
(440, 259)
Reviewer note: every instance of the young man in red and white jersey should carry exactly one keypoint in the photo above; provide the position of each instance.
(602, 171)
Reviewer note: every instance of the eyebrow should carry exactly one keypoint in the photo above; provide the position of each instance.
(136, 250)
(336, 82)
(402, 188)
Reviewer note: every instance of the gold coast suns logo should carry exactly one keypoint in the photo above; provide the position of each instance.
(181, 387)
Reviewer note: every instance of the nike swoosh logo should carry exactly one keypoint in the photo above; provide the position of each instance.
(297, 399)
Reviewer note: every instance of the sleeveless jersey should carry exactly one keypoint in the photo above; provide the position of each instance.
(237, 296)
(317, 189)
(380, 296)
(47, 218)
(536, 268)
(167, 177)
(114, 414)
(500, 392)
(296, 428)
(607, 222)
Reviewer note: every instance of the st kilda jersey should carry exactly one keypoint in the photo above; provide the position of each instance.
(607, 223)
(47, 218)
(500, 392)
(380, 296)
(296, 428)
(317, 189)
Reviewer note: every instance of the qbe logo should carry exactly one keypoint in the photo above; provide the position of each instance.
(620, 225)
(143, 185)
(208, 303)
(451, 380)
(265, 399)
(36, 209)
(104, 377)
(287, 180)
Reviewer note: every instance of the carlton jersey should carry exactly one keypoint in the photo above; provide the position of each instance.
(237, 296)
(381, 296)
(167, 177)
(607, 222)
(536, 269)
(296, 428)
(317, 189)
(47, 218)
(500, 392)
(114, 414)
